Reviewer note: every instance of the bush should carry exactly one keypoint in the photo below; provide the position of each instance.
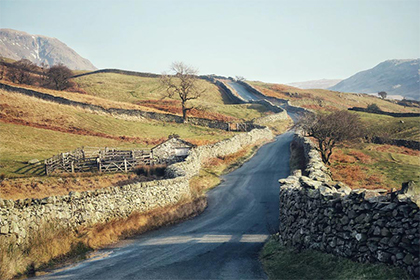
(373, 108)
(151, 170)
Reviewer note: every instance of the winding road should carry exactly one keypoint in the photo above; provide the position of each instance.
(222, 243)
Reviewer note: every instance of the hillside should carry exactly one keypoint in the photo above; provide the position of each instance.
(322, 84)
(327, 100)
(40, 49)
(398, 77)
(34, 128)
(147, 91)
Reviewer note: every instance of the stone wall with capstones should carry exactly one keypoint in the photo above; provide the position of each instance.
(364, 225)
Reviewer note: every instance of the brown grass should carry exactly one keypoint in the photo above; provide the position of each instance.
(77, 96)
(174, 107)
(396, 149)
(40, 187)
(137, 223)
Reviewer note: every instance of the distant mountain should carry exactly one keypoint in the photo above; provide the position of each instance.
(322, 84)
(398, 77)
(40, 49)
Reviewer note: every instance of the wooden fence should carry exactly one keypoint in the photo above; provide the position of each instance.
(90, 159)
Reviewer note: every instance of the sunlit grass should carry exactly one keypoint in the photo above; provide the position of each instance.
(281, 262)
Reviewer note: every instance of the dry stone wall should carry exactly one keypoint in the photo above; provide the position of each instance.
(364, 225)
(18, 218)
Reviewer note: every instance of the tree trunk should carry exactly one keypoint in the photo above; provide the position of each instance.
(184, 112)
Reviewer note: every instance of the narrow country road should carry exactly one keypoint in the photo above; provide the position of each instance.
(222, 243)
(242, 91)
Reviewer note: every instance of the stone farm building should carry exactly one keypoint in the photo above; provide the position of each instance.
(172, 150)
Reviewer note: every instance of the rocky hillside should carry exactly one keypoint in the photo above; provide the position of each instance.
(322, 84)
(40, 49)
(398, 77)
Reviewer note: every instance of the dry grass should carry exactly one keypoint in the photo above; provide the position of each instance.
(52, 245)
(174, 107)
(40, 187)
(326, 100)
(85, 98)
(48, 243)
(107, 233)
(373, 166)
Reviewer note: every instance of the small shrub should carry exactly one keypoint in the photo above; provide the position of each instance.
(373, 108)
(151, 170)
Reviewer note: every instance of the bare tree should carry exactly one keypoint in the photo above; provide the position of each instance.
(240, 78)
(59, 76)
(20, 72)
(331, 129)
(382, 94)
(182, 82)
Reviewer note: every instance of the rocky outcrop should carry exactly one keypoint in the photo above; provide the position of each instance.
(364, 225)
(40, 49)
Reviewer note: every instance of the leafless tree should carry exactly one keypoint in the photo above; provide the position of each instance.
(382, 94)
(20, 72)
(58, 76)
(182, 81)
(331, 129)
(240, 78)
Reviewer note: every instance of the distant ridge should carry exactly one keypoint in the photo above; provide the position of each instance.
(398, 77)
(40, 49)
(322, 84)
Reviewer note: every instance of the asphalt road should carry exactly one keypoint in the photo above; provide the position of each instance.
(222, 243)
(242, 91)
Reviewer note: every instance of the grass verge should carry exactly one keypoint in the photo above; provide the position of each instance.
(281, 262)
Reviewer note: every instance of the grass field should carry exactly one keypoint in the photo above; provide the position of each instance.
(374, 166)
(391, 127)
(33, 128)
(285, 263)
(134, 90)
(326, 100)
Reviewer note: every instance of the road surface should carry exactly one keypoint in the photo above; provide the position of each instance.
(242, 91)
(221, 243)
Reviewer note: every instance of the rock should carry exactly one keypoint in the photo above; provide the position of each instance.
(34, 162)
(383, 256)
(341, 187)
(4, 229)
(408, 259)
(385, 232)
(361, 237)
(326, 191)
(309, 183)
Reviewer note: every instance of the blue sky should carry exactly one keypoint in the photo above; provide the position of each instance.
(272, 41)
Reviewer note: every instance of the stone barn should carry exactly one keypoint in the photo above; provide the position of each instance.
(172, 150)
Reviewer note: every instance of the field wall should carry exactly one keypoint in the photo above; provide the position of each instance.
(18, 218)
(131, 113)
(363, 225)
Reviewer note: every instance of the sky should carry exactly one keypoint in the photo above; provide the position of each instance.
(272, 41)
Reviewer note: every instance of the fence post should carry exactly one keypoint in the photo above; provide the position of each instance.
(72, 166)
(125, 165)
